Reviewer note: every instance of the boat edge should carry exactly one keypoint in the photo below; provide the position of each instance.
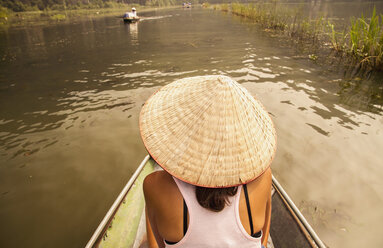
(97, 235)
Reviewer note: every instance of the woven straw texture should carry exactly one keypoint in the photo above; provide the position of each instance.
(208, 131)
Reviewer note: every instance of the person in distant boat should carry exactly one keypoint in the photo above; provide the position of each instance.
(215, 143)
(132, 14)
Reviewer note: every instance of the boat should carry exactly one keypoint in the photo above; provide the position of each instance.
(131, 19)
(124, 224)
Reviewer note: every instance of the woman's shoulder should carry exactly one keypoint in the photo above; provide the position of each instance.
(158, 183)
(267, 175)
(263, 181)
(157, 178)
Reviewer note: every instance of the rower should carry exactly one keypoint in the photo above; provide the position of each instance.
(132, 14)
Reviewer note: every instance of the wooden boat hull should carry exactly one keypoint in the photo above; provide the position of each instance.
(124, 225)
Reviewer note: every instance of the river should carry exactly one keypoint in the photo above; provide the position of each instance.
(70, 95)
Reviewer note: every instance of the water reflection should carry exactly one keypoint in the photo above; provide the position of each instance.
(362, 94)
(132, 29)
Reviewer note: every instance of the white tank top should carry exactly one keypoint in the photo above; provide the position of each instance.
(210, 229)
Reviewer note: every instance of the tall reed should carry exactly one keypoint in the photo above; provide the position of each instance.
(363, 42)
(266, 15)
(224, 7)
(366, 41)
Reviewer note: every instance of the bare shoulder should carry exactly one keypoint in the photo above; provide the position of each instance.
(264, 181)
(154, 180)
(267, 175)
(157, 183)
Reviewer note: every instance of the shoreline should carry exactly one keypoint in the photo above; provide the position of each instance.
(53, 17)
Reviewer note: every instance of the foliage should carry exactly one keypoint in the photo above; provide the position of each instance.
(363, 42)
(366, 41)
(336, 38)
(272, 16)
(3, 15)
(3, 12)
(225, 7)
(160, 3)
(206, 5)
(58, 17)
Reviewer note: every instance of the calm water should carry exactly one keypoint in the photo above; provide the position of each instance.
(70, 95)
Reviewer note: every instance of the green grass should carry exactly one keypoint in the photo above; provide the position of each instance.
(58, 17)
(276, 17)
(362, 42)
(3, 15)
(269, 16)
(366, 41)
(224, 7)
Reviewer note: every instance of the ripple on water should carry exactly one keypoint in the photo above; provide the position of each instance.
(319, 130)
(24, 140)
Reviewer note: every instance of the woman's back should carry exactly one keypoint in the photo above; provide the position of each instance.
(165, 202)
(211, 132)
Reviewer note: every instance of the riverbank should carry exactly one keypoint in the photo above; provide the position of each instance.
(47, 17)
(359, 44)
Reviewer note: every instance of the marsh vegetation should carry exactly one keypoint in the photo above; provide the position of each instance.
(359, 44)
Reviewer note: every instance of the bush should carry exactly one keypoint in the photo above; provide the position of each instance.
(14, 5)
(3, 15)
(58, 17)
(57, 7)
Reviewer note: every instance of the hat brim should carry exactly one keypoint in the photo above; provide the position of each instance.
(155, 135)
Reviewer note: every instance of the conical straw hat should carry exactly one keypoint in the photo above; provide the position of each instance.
(208, 131)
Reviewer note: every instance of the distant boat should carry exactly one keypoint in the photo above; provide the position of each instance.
(124, 223)
(131, 19)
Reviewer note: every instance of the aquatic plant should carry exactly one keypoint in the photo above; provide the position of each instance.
(160, 3)
(366, 41)
(266, 15)
(206, 5)
(58, 17)
(335, 38)
(363, 42)
(3, 15)
(274, 17)
(224, 7)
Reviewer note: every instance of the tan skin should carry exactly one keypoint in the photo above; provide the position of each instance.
(164, 207)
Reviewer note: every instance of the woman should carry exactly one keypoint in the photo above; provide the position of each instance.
(215, 143)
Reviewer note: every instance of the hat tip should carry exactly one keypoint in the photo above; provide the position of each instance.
(224, 79)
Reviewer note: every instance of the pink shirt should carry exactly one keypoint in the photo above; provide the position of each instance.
(210, 229)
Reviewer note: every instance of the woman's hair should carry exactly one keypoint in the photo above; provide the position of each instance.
(214, 199)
